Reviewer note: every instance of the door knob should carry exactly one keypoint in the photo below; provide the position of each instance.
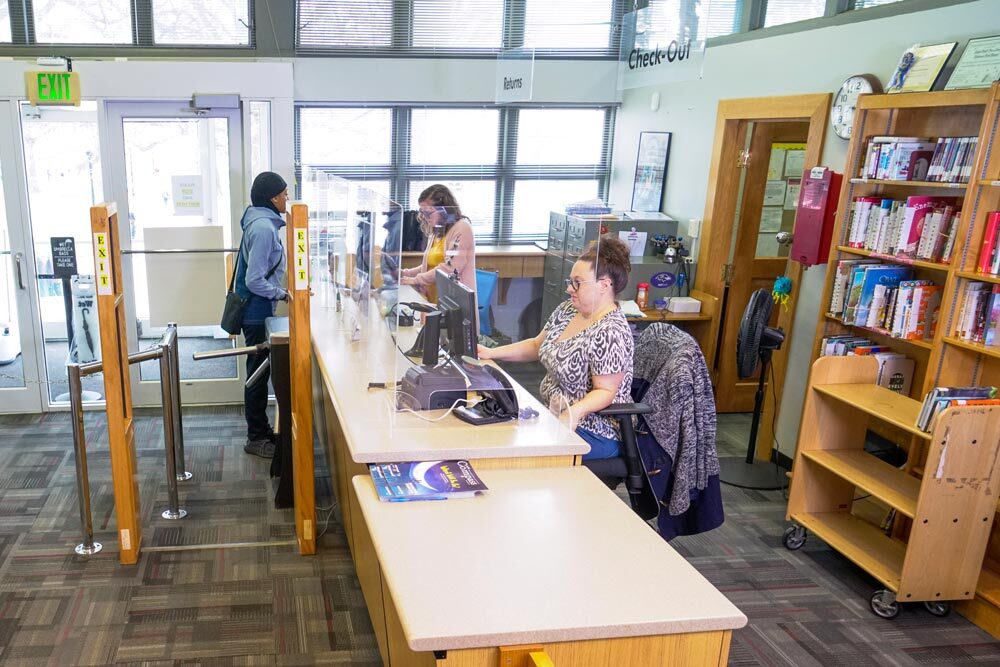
(784, 238)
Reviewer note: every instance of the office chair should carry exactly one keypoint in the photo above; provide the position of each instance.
(628, 467)
(486, 283)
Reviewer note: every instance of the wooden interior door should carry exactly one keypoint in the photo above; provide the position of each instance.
(756, 260)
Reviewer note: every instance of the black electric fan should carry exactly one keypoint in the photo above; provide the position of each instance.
(754, 346)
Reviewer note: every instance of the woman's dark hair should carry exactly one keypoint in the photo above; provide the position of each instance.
(610, 258)
(439, 195)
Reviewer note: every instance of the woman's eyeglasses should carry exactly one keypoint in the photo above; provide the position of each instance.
(574, 283)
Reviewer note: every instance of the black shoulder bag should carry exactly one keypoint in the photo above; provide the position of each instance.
(232, 312)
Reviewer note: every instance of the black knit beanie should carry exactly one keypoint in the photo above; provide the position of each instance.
(266, 186)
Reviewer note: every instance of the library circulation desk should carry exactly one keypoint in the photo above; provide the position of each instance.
(548, 561)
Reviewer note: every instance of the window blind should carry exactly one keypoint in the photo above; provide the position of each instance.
(780, 12)
(5, 32)
(864, 4)
(201, 22)
(459, 27)
(73, 22)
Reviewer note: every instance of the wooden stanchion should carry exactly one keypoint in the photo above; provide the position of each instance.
(300, 361)
(117, 387)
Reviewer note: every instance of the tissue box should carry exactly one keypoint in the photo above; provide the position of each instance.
(684, 304)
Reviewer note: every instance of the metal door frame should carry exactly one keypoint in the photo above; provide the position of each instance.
(32, 397)
(211, 391)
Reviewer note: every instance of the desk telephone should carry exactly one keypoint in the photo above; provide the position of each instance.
(498, 404)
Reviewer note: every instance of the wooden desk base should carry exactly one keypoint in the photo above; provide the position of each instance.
(700, 648)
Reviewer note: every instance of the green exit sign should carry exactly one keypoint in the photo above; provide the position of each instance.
(53, 88)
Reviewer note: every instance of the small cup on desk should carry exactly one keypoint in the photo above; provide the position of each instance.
(660, 304)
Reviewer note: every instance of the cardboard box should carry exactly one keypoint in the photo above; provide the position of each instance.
(684, 304)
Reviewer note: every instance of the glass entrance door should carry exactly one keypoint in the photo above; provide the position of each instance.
(63, 179)
(20, 388)
(177, 176)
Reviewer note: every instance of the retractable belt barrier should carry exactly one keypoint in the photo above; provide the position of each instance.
(165, 351)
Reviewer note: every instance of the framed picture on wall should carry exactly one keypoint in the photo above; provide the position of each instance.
(650, 171)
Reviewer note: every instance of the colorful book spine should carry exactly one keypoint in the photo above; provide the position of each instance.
(988, 252)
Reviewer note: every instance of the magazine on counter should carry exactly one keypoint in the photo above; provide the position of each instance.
(425, 480)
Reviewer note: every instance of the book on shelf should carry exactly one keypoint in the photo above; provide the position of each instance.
(874, 276)
(989, 251)
(895, 371)
(425, 480)
(841, 283)
(917, 228)
(945, 159)
(979, 316)
(938, 398)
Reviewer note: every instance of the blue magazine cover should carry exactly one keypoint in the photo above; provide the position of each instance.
(886, 274)
(425, 480)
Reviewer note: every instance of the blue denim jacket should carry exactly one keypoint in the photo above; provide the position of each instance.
(261, 250)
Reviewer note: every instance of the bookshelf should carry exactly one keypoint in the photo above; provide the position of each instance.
(940, 559)
(942, 360)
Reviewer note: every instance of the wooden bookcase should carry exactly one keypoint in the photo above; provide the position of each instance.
(943, 360)
(951, 510)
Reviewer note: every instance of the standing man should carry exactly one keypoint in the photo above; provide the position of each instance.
(260, 274)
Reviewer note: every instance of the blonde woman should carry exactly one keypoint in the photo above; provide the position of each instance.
(451, 245)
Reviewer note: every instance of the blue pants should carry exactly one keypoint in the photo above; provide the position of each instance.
(600, 447)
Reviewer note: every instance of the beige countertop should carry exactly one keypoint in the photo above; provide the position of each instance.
(546, 555)
(376, 433)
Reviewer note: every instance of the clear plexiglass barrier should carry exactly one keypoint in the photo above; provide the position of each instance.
(407, 332)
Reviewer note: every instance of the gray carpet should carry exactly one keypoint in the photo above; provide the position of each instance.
(269, 606)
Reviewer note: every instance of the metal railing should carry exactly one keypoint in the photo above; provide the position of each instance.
(166, 352)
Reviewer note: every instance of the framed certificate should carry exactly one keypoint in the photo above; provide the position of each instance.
(929, 61)
(979, 65)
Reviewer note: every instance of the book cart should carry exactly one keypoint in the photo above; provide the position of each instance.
(947, 558)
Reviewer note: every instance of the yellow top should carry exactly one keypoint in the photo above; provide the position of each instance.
(435, 256)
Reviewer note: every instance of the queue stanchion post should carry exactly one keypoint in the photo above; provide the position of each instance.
(183, 474)
(173, 510)
(88, 547)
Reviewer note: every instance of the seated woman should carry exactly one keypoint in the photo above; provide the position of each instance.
(586, 347)
(451, 245)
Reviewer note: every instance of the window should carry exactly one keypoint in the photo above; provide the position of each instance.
(780, 12)
(724, 18)
(559, 136)
(565, 27)
(864, 4)
(260, 136)
(457, 24)
(203, 22)
(454, 136)
(73, 22)
(567, 24)
(534, 199)
(322, 23)
(507, 166)
(344, 137)
(4, 21)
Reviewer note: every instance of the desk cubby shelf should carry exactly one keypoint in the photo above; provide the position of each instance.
(944, 360)
(979, 348)
(979, 277)
(892, 259)
(951, 514)
(912, 184)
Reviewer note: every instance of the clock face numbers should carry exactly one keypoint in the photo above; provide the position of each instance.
(845, 103)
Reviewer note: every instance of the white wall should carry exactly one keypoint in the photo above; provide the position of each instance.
(803, 62)
(447, 80)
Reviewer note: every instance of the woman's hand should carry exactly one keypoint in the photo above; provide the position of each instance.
(407, 280)
(484, 353)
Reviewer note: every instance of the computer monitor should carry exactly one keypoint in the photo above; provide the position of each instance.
(457, 303)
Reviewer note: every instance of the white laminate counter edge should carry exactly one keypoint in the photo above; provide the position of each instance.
(721, 614)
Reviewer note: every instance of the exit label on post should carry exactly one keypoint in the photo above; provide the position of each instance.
(301, 260)
(102, 264)
(53, 88)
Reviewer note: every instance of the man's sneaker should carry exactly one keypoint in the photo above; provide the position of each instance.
(262, 448)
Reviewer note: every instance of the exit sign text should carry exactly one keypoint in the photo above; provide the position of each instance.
(53, 88)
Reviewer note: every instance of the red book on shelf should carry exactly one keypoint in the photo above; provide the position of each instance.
(989, 242)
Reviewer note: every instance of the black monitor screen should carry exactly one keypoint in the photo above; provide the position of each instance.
(458, 305)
